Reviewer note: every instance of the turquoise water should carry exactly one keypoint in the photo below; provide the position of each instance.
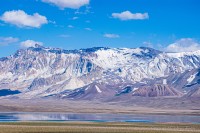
(11, 117)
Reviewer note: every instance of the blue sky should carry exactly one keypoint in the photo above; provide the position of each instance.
(89, 23)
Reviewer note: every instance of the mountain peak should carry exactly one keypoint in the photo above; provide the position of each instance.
(146, 52)
(94, 49)
(38, 46)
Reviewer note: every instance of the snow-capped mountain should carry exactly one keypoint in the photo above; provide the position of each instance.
(98, 72)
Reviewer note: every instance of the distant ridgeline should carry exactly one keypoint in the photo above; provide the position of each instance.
(6, 92)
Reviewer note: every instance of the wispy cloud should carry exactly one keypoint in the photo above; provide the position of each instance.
(111, 35)
(8, 40)
(88, 29)
(75, 18)
(22, 19)
(52, 22)
(70, 26)
(183, 45)
(127, 15)
(148, 44)
(73, 4)
(29, 43)
(86, 11)
(64, 36)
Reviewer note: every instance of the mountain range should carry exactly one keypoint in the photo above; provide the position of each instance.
(99, 73)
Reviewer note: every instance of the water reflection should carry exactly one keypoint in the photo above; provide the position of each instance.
(97, 117)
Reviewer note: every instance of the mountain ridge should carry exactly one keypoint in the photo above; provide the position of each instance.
(43, 72)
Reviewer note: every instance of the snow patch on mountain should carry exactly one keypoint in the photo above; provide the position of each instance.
(182, 54)
(98, 89)
(191, 78)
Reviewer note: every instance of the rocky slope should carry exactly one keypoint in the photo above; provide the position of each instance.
(156, 91)
(194, 93)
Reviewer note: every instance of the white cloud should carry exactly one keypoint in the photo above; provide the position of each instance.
(111, 35)
(183, 45)
(8, 40)
(88, 29)
(29, 43)
(127, 15)
(74, 4)
(22, 19)
(70, 26)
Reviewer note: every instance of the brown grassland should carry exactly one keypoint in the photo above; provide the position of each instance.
(91, 127)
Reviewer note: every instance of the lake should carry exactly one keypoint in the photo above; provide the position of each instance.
(10, 117)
